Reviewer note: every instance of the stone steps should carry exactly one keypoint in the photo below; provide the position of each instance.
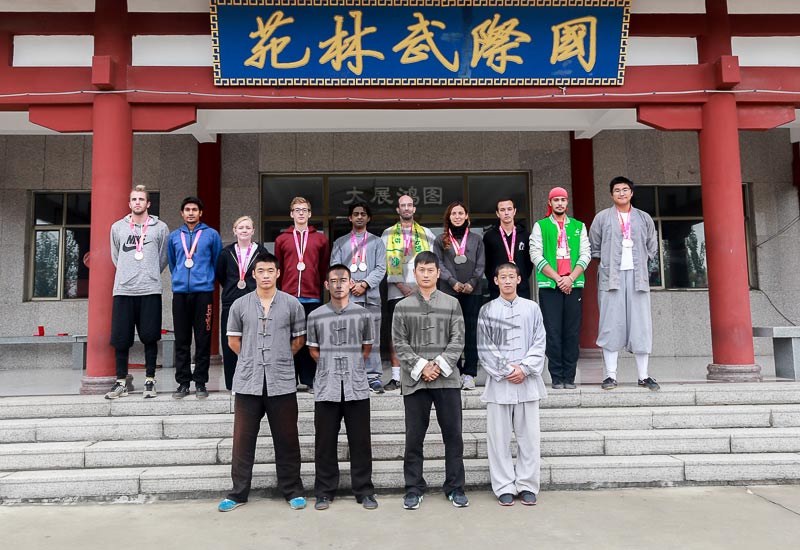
(115, 428)
(143, 483)
(68, 406)
(211, 451)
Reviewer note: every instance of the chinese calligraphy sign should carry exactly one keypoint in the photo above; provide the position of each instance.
(419, 42)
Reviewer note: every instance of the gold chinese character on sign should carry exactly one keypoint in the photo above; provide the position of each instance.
(491, 41)
(342, 46)
(569, 40)
(268, 44)
(420, 42)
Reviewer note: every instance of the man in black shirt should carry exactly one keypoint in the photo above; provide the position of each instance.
(508, 242)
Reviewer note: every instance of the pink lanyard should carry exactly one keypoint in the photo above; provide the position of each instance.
(190, 252)
(625, 226)
(461, 248)
(300, 246)
(140, 240)
(509, 250)
(359, 253)
(243, 265)
(408, 241)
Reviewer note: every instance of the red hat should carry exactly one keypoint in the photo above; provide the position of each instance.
(555, 192)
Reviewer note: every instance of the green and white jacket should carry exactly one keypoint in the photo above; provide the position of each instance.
(544, 242)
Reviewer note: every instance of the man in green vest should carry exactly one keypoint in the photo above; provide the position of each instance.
(560, 251)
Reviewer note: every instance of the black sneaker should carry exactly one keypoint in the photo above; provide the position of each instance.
(458, 498)
(558, 386)
(392, 385)
(528, 498)
(182, 391)
(609, 384)
(411, 501)
(323, 503)
(569, 385)
(369, 502)
(200, 391)
(506, 499)
(650, 384)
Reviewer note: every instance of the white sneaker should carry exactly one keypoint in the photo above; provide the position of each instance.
(467, 382)
(120, 389)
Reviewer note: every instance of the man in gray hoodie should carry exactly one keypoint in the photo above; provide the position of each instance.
(139, 251)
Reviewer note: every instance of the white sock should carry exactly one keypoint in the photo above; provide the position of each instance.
(610, 361)
(396, 373)
(641, 364)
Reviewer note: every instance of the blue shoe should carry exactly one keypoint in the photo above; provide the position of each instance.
(297, 503)
(229, 505)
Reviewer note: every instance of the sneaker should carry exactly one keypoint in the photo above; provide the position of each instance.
(149, 389)
(392, 385)
(506, 499)
(297, 503)
(467, 382)
(458, 498)
(609, 384)
(376, 387)
(120, 389)
(229, 505)
(369, 502)
(569, 385)
(650, 384)
(528, 498)
(323, 503)
(200, 391)
(182, 391)
(411, 501)
(311, 390)
(302, 387)
(558, 386)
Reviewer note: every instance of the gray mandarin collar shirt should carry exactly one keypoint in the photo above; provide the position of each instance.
(425, 331)
(605, 237)
(266, 343)
(342, 253)
(339, 335)
(511, 333)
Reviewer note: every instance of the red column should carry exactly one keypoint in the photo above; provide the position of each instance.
(209, 172)
(583, 208)
(112, 173)
(728, 285)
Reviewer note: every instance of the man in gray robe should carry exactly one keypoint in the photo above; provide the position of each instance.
(511, 348)
(428, 334)
(624, 239)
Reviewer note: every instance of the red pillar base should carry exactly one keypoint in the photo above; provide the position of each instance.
(100, 385)
(734, 373)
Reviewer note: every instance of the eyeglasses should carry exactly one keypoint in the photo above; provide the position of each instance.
(301, 210)
(622, 191)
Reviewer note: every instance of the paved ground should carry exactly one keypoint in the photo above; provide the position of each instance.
(687, 518)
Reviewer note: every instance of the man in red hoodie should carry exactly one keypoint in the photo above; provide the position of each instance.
(303, 254)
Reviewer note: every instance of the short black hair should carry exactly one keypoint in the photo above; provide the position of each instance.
(192, 200)
(617, 181)
(337, 267)
(265, 257)
(506, 265)
(426, 257)
(503, 199)
(363, 205)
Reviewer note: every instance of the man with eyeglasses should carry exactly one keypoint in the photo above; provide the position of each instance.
(403, 242)
(624, 239)
(508, 242)
(303, 254)
(365, 256)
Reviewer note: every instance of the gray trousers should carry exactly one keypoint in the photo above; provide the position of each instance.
(625, 318)
(523, 421)
(374, 366)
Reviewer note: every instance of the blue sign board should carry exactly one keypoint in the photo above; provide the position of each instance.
(419, 42)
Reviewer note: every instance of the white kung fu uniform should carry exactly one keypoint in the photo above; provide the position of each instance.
(512, 333)
(623, 280)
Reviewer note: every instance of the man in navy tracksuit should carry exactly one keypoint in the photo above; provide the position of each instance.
(192, 252)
